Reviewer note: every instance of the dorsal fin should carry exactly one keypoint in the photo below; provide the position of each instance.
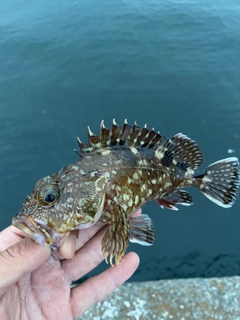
(180, 151)
(115, 133)
(128, 136)
(104, 135)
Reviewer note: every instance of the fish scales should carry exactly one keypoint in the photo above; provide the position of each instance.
(117, 173)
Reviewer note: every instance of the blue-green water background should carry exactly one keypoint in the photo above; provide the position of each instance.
(174, 65)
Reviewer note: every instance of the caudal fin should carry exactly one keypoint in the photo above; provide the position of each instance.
(220, 182)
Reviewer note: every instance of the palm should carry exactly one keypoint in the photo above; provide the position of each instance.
(47, 291)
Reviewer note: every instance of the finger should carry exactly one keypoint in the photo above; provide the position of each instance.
(9, 236)
(72, 244)
(99, 287)
(76, 240)
(90, 255)
(86, 234)
(19, 259)
(85, 259)
(69, 246)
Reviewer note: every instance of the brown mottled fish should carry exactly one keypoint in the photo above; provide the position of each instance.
(117, 173)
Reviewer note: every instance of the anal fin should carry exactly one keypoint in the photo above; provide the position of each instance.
(141, 230)
(176, 197)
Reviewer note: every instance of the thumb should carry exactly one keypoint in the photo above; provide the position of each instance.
(19, 259)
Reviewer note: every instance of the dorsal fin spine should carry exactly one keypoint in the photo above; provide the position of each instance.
(125, 136)
(94, 141)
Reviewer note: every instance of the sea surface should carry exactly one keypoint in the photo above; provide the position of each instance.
(174, 65)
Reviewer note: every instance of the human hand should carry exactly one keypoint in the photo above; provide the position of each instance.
(34, 285)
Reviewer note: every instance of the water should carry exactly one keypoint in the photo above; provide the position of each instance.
(172, 64)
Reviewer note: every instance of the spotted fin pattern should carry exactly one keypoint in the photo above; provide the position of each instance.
(141, 230)
(180, 151)
(220, 182)
(117, 236)
(169, 200)
(129, 136)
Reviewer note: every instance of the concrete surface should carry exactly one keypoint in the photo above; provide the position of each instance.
(182, 299)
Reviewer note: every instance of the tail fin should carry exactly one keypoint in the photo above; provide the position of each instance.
(220, 182)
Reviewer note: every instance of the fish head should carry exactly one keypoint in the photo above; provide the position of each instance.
(59, 204)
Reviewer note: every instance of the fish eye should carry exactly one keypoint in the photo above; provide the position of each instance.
(48, 195)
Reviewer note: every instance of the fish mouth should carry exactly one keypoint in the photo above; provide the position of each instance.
(37, 230)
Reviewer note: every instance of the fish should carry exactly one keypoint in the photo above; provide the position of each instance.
(118, 172)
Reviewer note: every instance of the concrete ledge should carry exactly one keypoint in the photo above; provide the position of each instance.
(182, 299)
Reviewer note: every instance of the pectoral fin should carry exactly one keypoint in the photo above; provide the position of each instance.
(116, 239)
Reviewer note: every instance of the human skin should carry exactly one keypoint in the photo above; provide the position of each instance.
(35, 285)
